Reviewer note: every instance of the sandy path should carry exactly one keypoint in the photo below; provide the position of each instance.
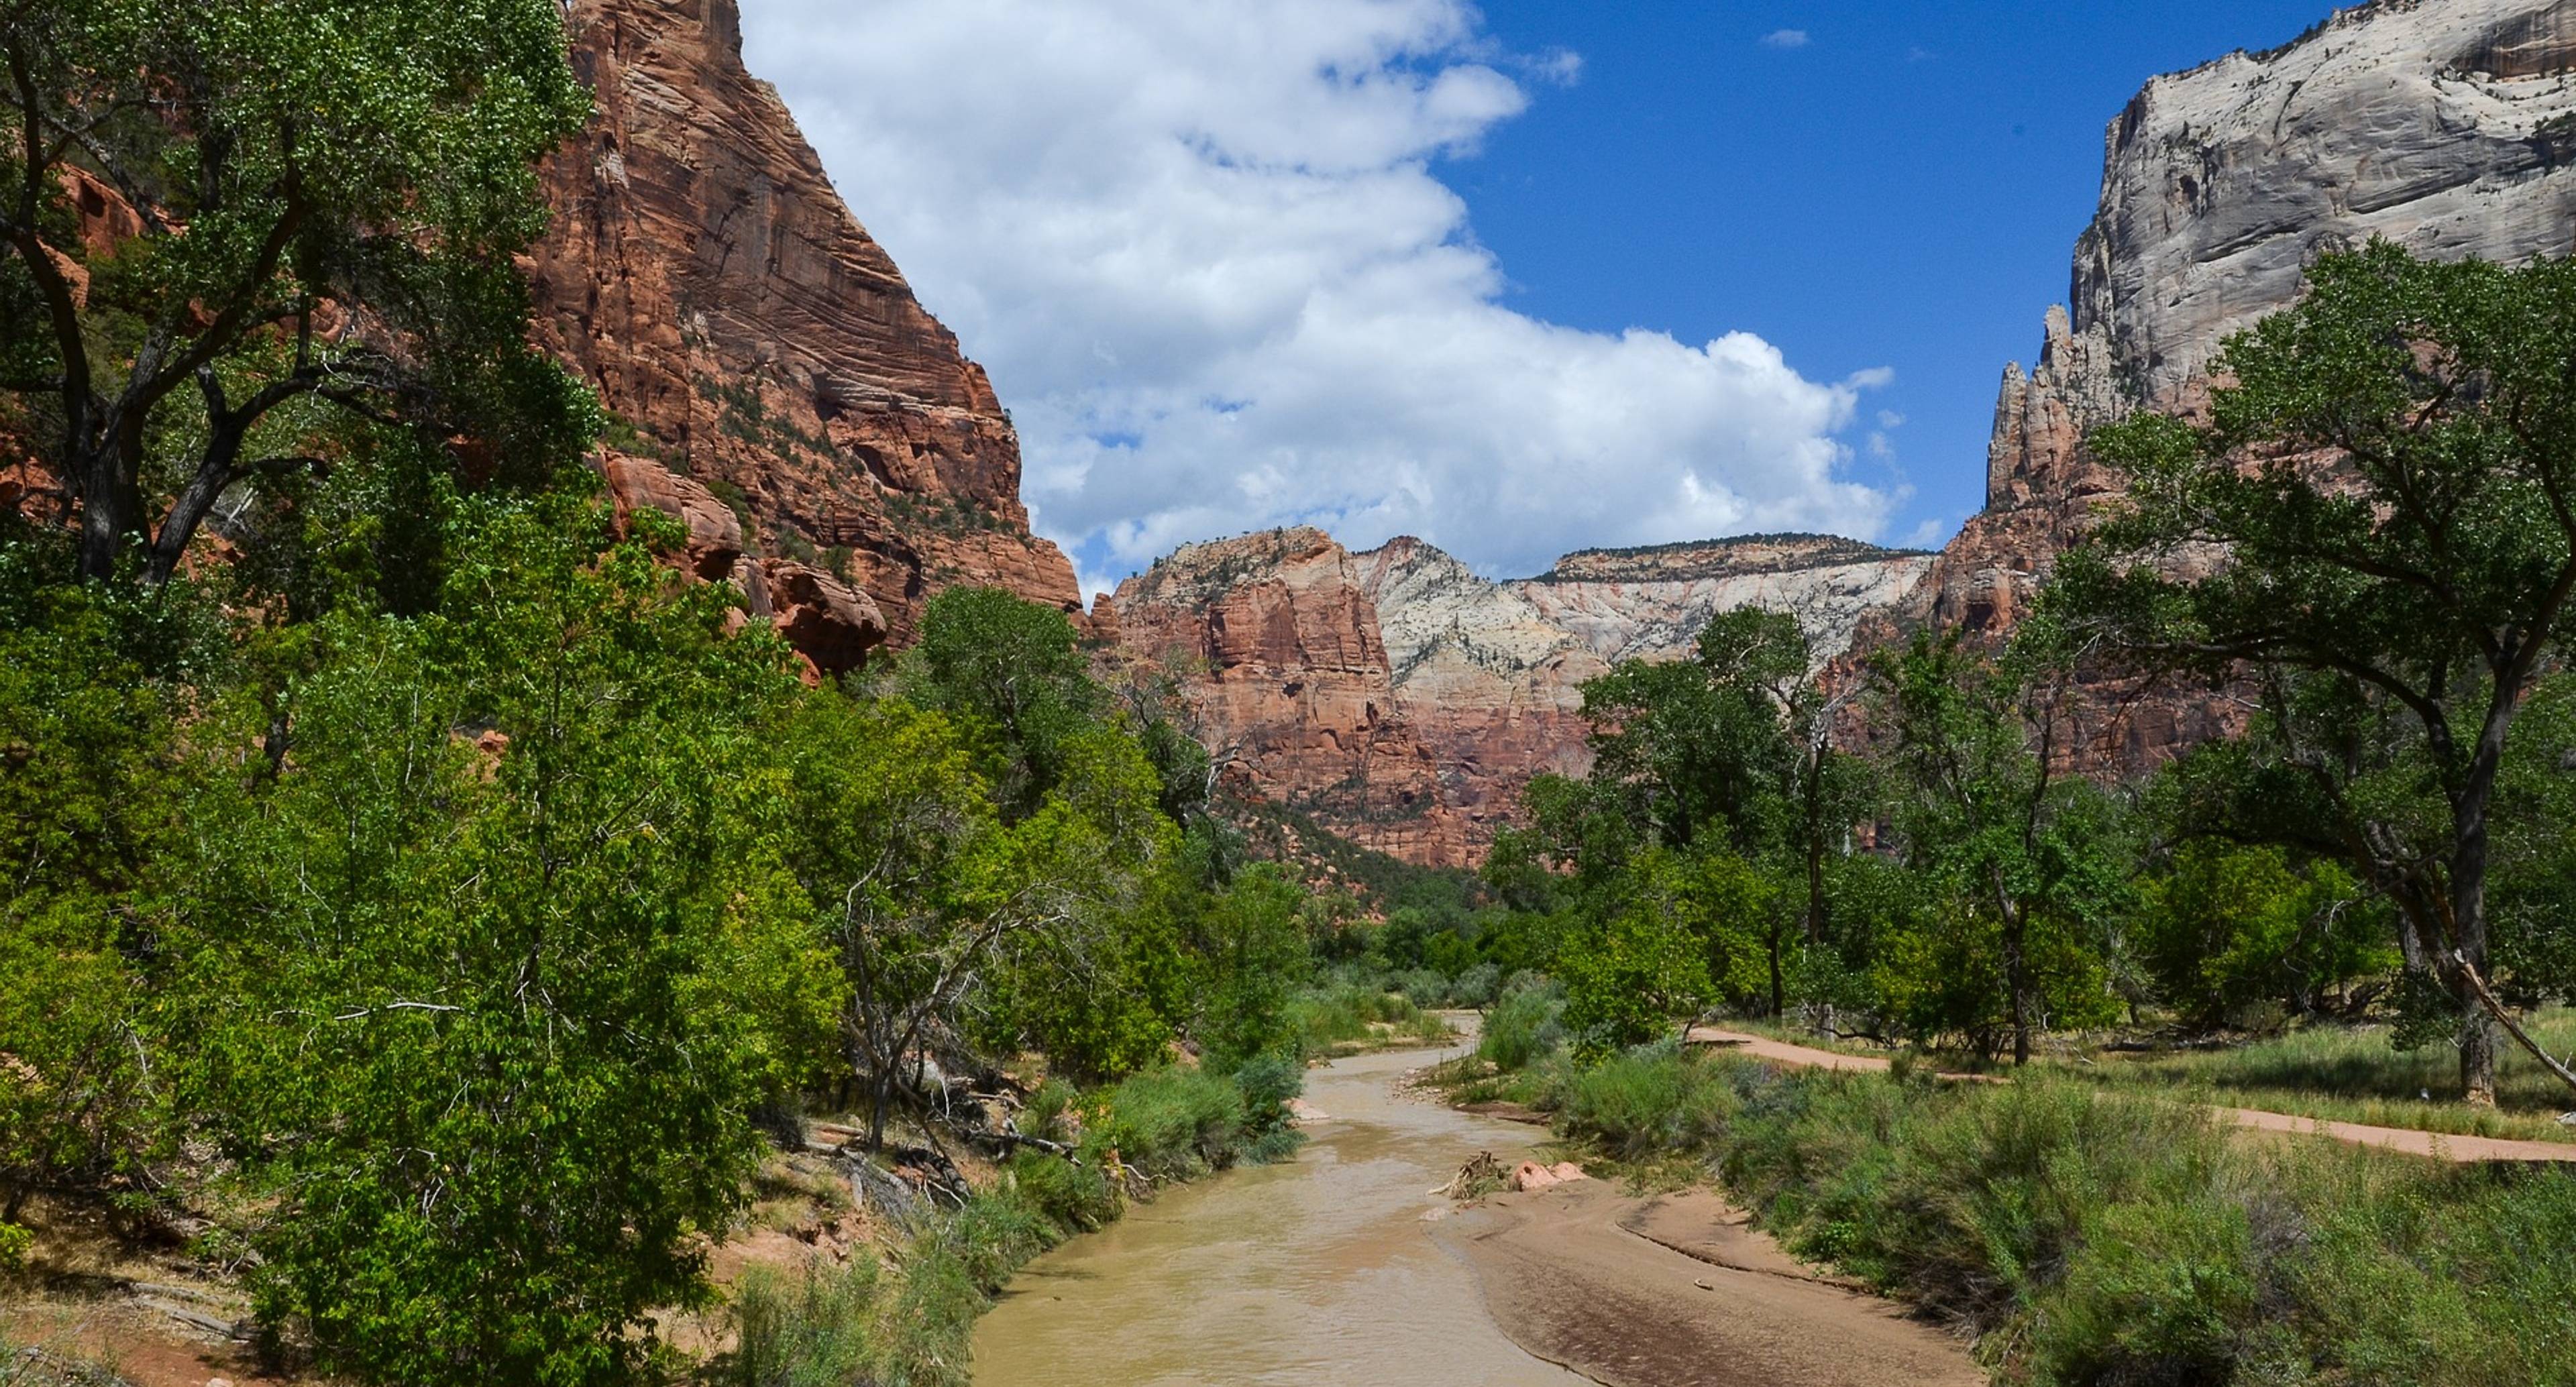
(2433, 1144)
(1679, 1292)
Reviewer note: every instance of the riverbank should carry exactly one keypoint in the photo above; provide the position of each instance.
(1678, 1291)
(2083, 1236)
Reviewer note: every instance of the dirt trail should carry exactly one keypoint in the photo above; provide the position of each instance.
(2437, 1145)
(1679, 1292)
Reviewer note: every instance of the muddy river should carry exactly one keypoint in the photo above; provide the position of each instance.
(1316, 1271)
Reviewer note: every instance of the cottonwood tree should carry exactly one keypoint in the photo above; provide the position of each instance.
(229, 227)
(2019, 855)
(2376, 527)
(1733, 745)
(483, 1024)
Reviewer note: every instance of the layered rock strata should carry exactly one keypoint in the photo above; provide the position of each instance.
(1279, 652)
(2449, 128)
(763, 357)
(1403, 701)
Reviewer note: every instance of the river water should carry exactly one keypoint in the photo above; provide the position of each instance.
(1315, 1271)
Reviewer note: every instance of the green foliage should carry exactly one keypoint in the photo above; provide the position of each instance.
(2096, 1239)
(2226, 929)
(85, 792)
(2390, 610)
(1255, 948)
(1171, 1123)
(1011, 675)
(291, 166)
(812, 1330)
(487, 1030)
(15, 1243)
(1648, 1100)
(2023, 867)
(1348, 1010)
(1524, 1027)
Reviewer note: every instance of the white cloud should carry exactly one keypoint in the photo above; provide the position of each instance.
(1786, 38)
(1203, 250)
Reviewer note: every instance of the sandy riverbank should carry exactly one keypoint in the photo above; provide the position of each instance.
(1677, 1291)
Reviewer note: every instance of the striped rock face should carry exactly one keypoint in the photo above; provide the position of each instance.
(760, 348)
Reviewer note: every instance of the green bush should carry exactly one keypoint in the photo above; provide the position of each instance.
(1350, 1010)
(2100, 1239)
(1525, 1025)
(1269, 1128)
(1079, 1198)
(1171, 1124)
(15, 1244)
(1650, 1099)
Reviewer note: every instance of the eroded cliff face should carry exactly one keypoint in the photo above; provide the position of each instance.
(1404, 702)
(775, 383)
(1280, 654)
(2448, 126)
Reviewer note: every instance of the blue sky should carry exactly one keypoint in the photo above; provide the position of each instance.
(1518, 278)
(1903, 188)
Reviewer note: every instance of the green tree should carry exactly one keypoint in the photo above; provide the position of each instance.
(86, 779)
(227, 226)
(1255, 950)
(2387, 487)
(1633, 965)
(2226, 927)
(481, 980)
(1011, 675)
(2015, 848)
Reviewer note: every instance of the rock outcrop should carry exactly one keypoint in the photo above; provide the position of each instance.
(1652, 603)
(760, 351)
(2447, 127)
(1403, 701)
(1279, 651)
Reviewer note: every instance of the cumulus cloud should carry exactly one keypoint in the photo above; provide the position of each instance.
(1786, 38)
(1203, 249)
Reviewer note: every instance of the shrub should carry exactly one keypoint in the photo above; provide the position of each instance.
(1478, 986)
(1171, 1123)
(812, 1331)
(1650, 1099)
(1078, 1198)
(1524, 1025)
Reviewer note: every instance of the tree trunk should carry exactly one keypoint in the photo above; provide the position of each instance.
(1779, 994)
(2017, 982)
(2477, 1048)
(2469, 936)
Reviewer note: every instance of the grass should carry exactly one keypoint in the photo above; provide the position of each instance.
(1349, 1018)
(2333, 1072)
(2090, 1237)
(2349, 1074)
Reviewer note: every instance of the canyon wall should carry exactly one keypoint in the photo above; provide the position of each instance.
(2447, 126)
(1402, 701)
(773, 380)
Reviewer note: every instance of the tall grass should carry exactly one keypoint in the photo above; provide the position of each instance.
(1344, 1015)
(2098, 1238)
(2351, 1074)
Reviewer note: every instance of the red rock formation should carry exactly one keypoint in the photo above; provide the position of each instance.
(1287, 673)
(755, 344)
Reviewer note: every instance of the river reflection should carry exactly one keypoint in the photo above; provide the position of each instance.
(1312, 1272)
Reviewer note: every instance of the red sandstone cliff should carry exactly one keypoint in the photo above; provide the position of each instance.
(774, 381)
(1404, 702)
(1282, 660)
